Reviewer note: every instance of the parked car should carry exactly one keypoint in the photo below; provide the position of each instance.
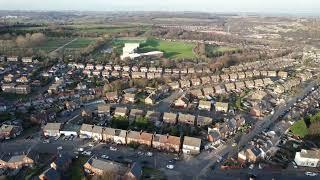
(113, 148)
(59, 148)
(170, 166)
(311, 174)
(149, 154)
(104, 156)
(87, 153)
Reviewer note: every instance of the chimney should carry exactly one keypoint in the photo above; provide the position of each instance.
(167, 135)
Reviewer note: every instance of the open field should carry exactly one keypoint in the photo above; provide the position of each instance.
(172, 50)
(52, 44)
(299, 128)
(96, 28)
(80, 43)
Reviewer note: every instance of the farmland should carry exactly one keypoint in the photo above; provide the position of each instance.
(96, 28)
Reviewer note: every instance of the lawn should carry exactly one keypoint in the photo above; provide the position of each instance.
(76, 171)
(80, 43)
(171, 49)
(299, 128)
(150, 173)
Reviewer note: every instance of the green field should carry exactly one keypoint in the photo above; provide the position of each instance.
(172, 50)
(52, 44)
(98, 28)
(299, 128)
(80, 43)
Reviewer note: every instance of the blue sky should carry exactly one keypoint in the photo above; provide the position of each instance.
(263, 6)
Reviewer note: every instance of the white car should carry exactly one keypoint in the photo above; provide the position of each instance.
(149, 154)
(251, 166)
(90, 145)
(46, 141)
(113, 148)
(311, 174)
(59, 148)
(80, 149)
(170, 166)
(88, 153)
(104, 156)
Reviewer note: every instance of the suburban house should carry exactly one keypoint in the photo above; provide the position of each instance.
(204, 105)
(282, 74)
(195, 82)
(129, 97)
(121, 111)
(186, 119)
(197, 93)
(272, 74)
(166, 143)
(108, 134)
(103, 109)
(308, 158)
(249, 84)
(138, 75)
(52, 129)
(117, 170)
(153, 116)
(191, 145)
(241, 75)
(86, 131)
(267, 81)
(133, 137)
(17, 161)
(233, 76)
(214, 136)
(219, 89)
(240, 85)
(9, 131)
(112, 96)
(97, 132)
(184, 83)
(134, 114)
(208, 91)
(120, 136)
(170, 118)
(224, 77)
(205, 80)
(174, 85)
(256, 73)
(215, 78)
(203, 121)
(151, 99)
(258, 83)
(253, 154)
(221, 106)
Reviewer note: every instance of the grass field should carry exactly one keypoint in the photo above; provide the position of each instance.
(98, 28)
(172, 50)
(52, 44)
(215, 51)
(299, 128)
(80, 43)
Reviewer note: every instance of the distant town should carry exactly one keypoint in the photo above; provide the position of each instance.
(158, 96)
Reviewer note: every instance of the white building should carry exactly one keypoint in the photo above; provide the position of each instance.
(191, 145)
(309, 158)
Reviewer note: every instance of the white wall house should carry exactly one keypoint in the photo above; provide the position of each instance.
(309, 158)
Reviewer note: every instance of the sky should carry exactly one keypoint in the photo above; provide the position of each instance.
(257, 6)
